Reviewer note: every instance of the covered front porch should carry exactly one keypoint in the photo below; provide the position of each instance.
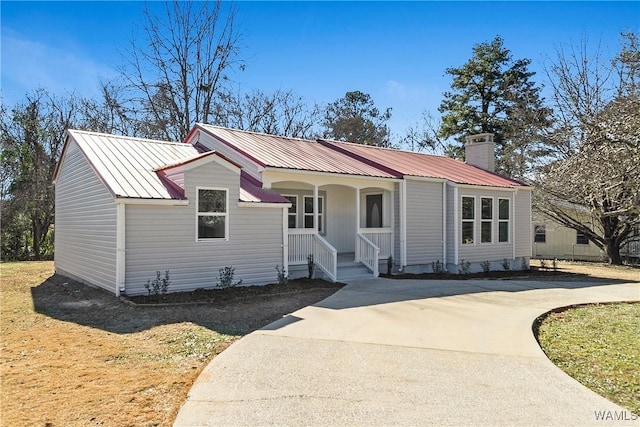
(344, 224)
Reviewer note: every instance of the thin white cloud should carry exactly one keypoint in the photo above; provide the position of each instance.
(28, 65)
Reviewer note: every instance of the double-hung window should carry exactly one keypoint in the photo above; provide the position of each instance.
(504, 215)
(540, 234)
(581, 238)
(468, 219)
(293, 211)
(212, 221)
(486, 225)
(308, 212)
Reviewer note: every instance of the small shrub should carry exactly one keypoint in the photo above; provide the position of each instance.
(506, 264)
(543, 265)
(283, 279)
(225, 278)
(486, 266)
(465, 267)
(389, 265)
(437, 267)
(159, 285)
(311, 266)
(554, 264)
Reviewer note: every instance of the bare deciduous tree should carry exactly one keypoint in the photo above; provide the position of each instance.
(597, 133)
(181, 64)
(279, 113)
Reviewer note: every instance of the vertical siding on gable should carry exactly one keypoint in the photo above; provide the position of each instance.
(424, 222)
(85, 223)
(163, 238)
(522, 225)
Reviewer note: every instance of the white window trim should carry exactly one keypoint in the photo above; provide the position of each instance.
(542, 234)
(321, 216)
(491, 220)
(225, 214)
(382, 210)
(295, 196)
(473, 221)
(508, 221)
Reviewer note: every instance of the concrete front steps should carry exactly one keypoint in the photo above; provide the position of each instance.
(348, 269)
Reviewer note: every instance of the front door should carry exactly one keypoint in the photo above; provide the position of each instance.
(374, 210)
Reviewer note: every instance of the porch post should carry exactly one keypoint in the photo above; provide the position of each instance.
(357, 251)
(315, 208)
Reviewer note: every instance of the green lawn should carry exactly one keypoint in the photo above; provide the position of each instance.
(598, 345)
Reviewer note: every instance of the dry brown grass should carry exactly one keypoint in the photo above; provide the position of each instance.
(595, 270)
(60, 373)
(76, 356)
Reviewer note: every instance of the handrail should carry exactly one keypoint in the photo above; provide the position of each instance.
(325, 256)
(381, 237)
(367, 253)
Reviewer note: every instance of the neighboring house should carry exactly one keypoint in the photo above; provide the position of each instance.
(552, 240)
(127, 207)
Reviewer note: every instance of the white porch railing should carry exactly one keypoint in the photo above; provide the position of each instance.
(325, 256)
(367, 253)
(300, 245)
(381, 237)
(304, 242)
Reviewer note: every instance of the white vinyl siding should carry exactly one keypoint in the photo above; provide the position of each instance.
(340, 217)
(85, 224)
(520, 234)
(424, 222)
(161, 238)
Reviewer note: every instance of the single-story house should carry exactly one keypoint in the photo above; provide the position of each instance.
(128, 207)
(554, 240)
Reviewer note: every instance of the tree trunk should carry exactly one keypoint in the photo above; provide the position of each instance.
(613, 252)
(35, 235)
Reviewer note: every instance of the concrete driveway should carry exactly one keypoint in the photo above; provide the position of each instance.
(406, 352)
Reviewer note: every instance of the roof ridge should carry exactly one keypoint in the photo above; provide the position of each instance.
(133, 138)
(334, 141)
(257, 133)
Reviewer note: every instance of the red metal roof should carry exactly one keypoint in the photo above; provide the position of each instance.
(292, 153)
(136, 168)
(422, 165)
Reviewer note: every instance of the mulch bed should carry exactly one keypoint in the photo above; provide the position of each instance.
(233, 293)
(532, 273)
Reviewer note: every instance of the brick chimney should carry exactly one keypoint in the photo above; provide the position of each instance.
(479, 151)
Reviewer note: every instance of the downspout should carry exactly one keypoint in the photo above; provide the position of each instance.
(512, 220)
(444, 224)
(403, 224)
(285, 240)
(120, 248)
(456, 226)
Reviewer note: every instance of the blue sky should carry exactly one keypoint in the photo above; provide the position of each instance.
(395, 51)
